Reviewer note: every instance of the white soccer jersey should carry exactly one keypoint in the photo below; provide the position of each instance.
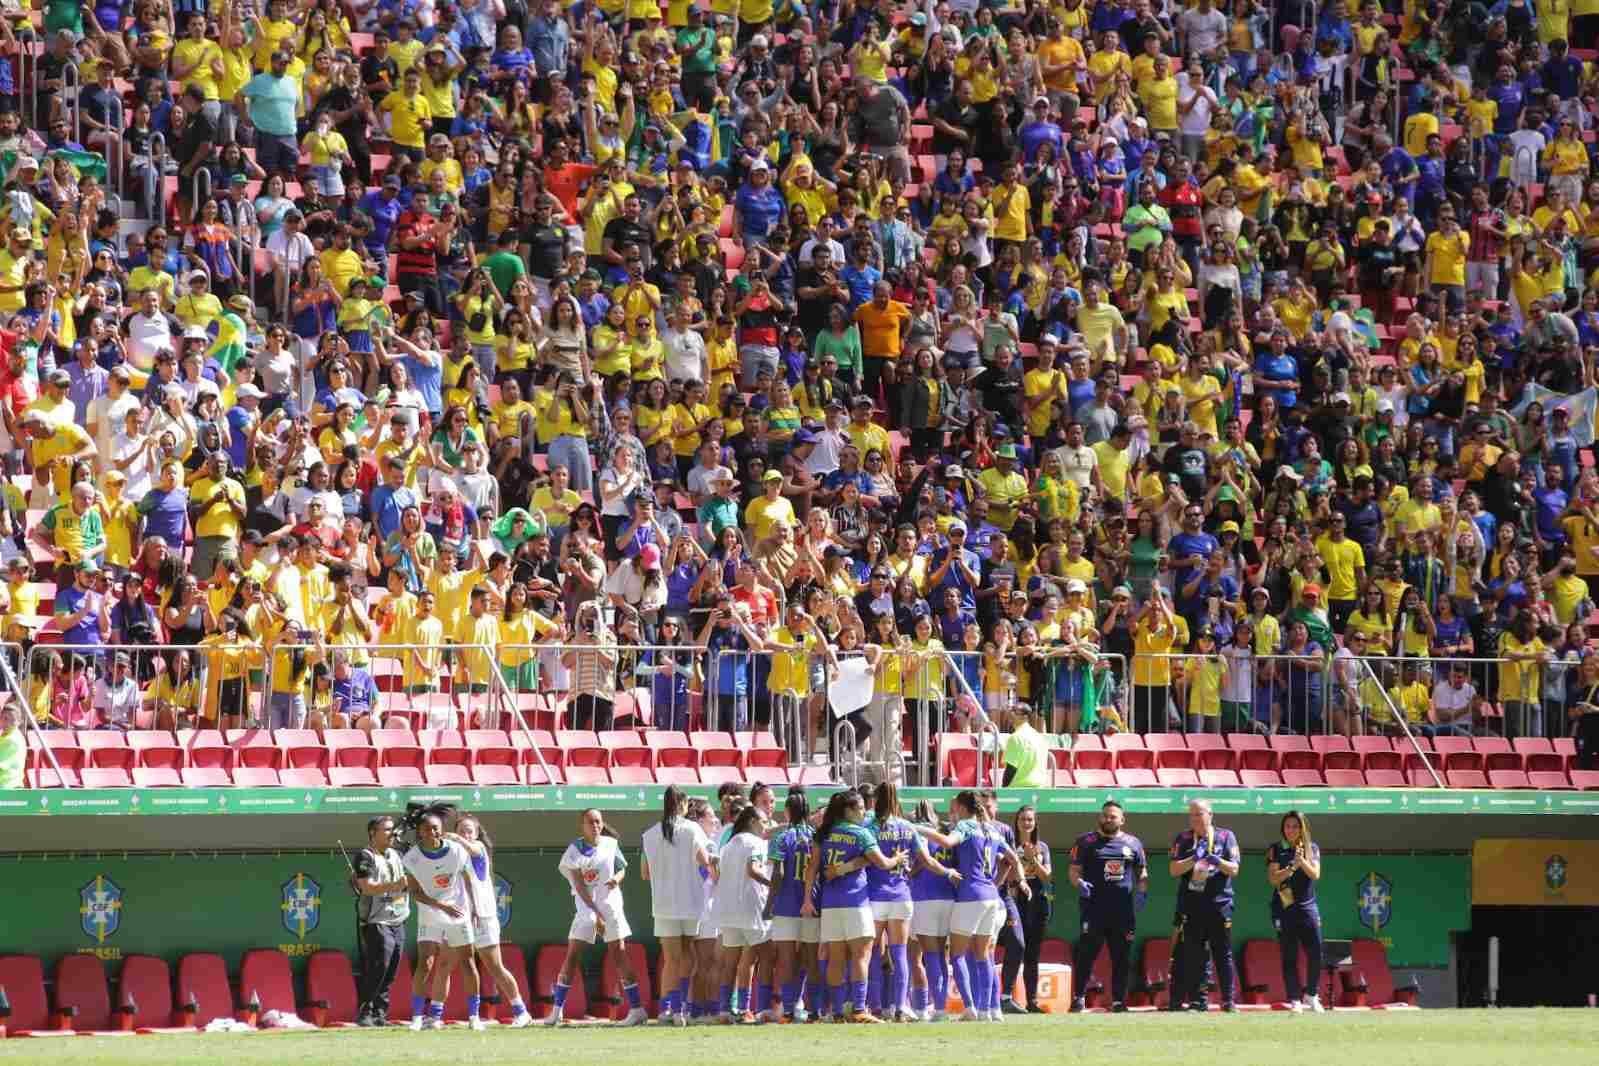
(479, 878)
(677, 891)
(740, 901)
(442, 876)
(595, 865)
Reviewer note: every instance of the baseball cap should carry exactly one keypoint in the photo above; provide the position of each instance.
(392, 181)
(1006, 451)
(954, 470)
(804, 436)
(649, 557)
(772, 475)
(1076, 585)
(248, 392)
(1229, 527)
(957, 525)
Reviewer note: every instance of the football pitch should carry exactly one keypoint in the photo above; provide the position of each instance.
(1409, 1038)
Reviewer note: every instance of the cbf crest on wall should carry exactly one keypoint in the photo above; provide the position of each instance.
(302, 905)
(100, 908)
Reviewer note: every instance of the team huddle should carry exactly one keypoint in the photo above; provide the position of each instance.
(855, 914)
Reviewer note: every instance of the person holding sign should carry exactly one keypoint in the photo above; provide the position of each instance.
(1204, 859)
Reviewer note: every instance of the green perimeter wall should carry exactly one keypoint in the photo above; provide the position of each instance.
(171, 904)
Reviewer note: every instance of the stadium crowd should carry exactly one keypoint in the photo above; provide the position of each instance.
(1150, 364)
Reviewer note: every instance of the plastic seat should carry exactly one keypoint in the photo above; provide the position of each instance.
(495, 774)
(145, 983)
(1260, 778)
(440, 738)
(1340, 760)
(206, 749)
(412, 756)
(1385, 779)
(1371, 967)
(264, 973)
(1061, 778)
(95, 778)
(255, 777)
(676, 775)
(1548, 780)
(1154, 972)
(1345, 779)
(1299, 759)
(47, 778)
(1302, 778)
(81, 987)
(588, 756)
(112, 758)
(1165, 742)
(306, 777)
(1261, 758)
(722, 775)
(547, 964)
(1465, 779)
(631, 775)
(1585, 780)
(1094, 778)
(392, 777)
(447, 774)
(163, 777)
(1323, 744)
(1136, 778)
(1262, 977)
(670, 748)
(329, 980)
(1505, 779)
(1422, 779)
(1219, 779)
(22, 976)
(1124, 741)
(1386, 760)
(204, 777)
(587, 775)
(1130, 758)
(203, 982)
(625, 748)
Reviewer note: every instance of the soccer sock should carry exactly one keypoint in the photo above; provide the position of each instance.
(993, 982)
(560, 996)
(436, 1010)
(631, 991)
(918, 997)
(418, 1006)
(963, 981)
(518, 1008)
(937, 979)
(977, 967)
(840, 995)
(902, 977)
(682, 995)
(696, 1009)
(857, 996)
(790, 995)
(874, 979)
(763, 997)
(474, 1006)
(823, 992)
(815, 992)
(727, 999)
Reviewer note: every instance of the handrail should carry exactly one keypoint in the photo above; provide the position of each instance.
(158, 156)
(72, 83)
(202, 176)
(503, 691)
(845, 730)
(14, 686)
(987, 726)
(1400, 717)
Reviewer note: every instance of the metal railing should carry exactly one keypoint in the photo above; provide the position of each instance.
(1400, 717)
(12, 652)
(71, 90)
(158, 158)
(1526, 716)
(1292, 690)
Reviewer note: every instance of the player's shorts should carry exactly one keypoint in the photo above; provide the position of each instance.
(450, 934)
(677, 927)
(847, 923)
(743, 938)
(931, 917)
(709, 930)
(891, 910)
(797, 930)
(977, 917)
(485, 932)
(585, 929)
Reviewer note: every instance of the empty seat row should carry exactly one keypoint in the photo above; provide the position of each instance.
(443, 774)
(1584, 780)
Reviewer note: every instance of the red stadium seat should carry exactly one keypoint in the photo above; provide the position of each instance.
(1340, 760)
(631, 775)
(1089, 759)
(534, 774)
(1260, 778)
(1165, 742)
(205, 777)
(145, 982)
(111, 757)
(625, 748)
(960, 767)
(81, 988)
(1094, 778)
(1497, 754)
(392, 738)
(546, 970)
(388, 777)
(1177, 778)
(23, 979)
(156, 778)
(106, 779)
(1548, 780)
(611, 982)
(1061, 778)
(1154, 971)
(1302, 778)
(587, 775)
(329, 981)
(671, 749)
(1370, 983)
(1423, 779)
(1322, 744)
(1346, 779)
(157, 748)
(1537, 753)
(447, 774)
(1299, 759)
(1365, 745)
(1124, 741)
(455, 1000)
(203, 984)
(1465, 779)
(254, 748)
(412, 757)
(1136, 778)
(1176, 759)
(47, 778)
(255, 777)
(1134, 759)
(1387, 760)
(1505, 779)
(587, 756)
(312, 777)
(1262, 978)
(1385, 779)
(440, 738)
(677, 775)
(1219, 779)
(495, 774)
(1288, 742)
(1212, 752)
(1088, 742)
(264, 973)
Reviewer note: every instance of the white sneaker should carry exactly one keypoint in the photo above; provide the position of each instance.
(911, 1015)
(554, 1018)
(478, 1025)
(636, 1016)
(416, 1023)
(1315, 1005)
(431, 1022)
(1296, 1007)
(996, 1015)
(522, 1021)
(680, 1020)
(970, 1015)
(937, 1015)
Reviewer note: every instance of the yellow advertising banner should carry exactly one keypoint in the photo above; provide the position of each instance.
(1535, 873)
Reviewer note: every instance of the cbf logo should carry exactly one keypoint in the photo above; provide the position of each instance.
(100, 908)
(502, 900)
(302, 905)
(1374, 897)
(1554, 873)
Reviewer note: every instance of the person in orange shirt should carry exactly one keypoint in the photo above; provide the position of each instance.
(883, 322)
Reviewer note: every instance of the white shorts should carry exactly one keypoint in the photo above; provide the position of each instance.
(743, 938)
(677, 927)
(797, 930)
(485, 932)
(450, 934)
(977, 917)
(585, 929)
(708, 929)
(891, 910)
(847, 923)
(931, 917)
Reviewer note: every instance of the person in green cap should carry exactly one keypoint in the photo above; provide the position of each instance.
(1004, 487)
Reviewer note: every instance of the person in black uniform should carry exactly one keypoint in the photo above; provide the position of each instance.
(382, 906)
(1204, 859)
(1293, 866)
(1111, 875)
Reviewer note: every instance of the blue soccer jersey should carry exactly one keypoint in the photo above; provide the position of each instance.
(845, 843)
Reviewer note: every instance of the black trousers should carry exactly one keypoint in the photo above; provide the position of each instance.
(1299, 929)
(381, 947)
(1024, 943)
(1207, 936)
(1116, 936)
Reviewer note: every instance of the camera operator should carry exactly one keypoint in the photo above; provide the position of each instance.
(382, 908)
(593, 666)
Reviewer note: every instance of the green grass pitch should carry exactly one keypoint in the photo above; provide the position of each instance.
(1410, 1038)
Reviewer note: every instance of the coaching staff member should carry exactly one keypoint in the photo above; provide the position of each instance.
(1204, 859)
(383, 906)
(1111, 875)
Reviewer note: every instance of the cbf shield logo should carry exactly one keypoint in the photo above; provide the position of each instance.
(502, 900)
(1374, 901)
(100, 908)
(302, 905)
(1554, 872)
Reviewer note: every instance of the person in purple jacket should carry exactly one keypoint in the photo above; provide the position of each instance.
(984, 861)
(1110, 872)
(846, 847)
(796, 936)
(1205, 859)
